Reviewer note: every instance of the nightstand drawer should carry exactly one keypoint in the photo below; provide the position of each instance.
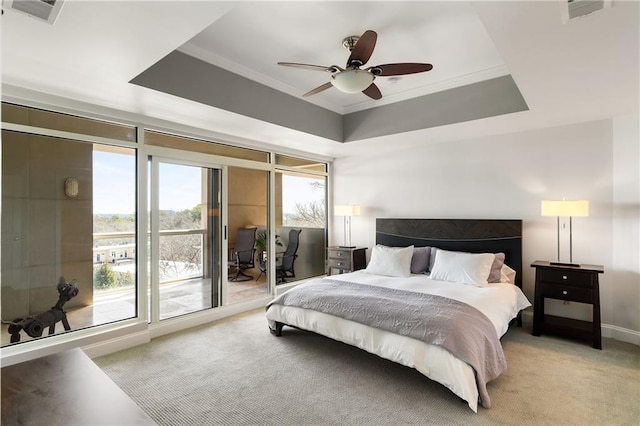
(340, 263)
(565, 292)
(339, 254)
(566, 277)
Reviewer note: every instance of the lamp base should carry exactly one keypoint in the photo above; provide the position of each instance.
(576, 265)
(349, 247)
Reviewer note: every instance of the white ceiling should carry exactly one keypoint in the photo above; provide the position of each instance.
(583, 70)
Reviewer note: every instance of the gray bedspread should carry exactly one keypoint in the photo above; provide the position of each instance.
(455, 326)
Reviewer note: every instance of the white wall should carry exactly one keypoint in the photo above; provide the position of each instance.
(506, 177)
(626, 226)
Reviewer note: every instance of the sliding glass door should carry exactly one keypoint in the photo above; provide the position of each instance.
(185, 238)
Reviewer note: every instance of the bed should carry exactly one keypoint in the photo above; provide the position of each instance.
(389, 311)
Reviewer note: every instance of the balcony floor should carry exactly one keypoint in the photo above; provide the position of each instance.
(176, 298)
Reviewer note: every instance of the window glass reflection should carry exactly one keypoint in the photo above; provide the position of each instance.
(68, 235)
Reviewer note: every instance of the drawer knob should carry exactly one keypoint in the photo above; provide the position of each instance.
(564, 277)
(564, 291)
(339, 263)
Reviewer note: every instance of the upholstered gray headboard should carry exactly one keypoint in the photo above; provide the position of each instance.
(470, 235)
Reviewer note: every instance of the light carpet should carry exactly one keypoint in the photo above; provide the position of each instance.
(234, 372)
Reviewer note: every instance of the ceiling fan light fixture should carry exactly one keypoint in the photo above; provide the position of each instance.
(352, 81)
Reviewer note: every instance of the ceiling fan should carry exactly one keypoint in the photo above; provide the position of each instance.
(352, 78)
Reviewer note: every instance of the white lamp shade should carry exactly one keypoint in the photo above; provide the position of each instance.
(351, 210)
(574, 208)
(352, 81)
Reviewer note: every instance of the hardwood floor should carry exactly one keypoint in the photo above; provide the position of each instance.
(65, 388)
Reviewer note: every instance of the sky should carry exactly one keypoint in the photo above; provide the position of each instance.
(114, 186)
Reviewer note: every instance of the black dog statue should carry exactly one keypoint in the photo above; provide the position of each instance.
(35, 325)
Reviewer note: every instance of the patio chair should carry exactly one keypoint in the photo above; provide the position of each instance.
(261, 255)
(262, 264)
(242, 255)
(285, 268)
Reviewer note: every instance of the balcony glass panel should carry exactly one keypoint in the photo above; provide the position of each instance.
(68, 235)
(301, 206)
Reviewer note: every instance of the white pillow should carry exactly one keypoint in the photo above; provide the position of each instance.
(464, 268)
(390, 261)
(507, 275)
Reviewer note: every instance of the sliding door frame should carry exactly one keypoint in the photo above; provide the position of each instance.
(154, 213)
(169, 155)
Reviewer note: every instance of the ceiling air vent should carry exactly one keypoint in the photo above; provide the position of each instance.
(578, 8)
(45, 10)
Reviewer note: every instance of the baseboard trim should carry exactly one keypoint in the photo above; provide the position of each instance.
(622, 334)
(121, 343)
(610, 331)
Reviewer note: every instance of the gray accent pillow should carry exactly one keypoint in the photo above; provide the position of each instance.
(494, 275)
(420, 260)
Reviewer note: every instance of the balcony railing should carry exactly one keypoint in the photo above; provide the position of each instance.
(181, 253)
(181, 259)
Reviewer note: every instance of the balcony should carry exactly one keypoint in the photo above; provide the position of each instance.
(184, 284)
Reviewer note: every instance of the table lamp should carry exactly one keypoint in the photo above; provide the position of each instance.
(576, 208)
(347, 212)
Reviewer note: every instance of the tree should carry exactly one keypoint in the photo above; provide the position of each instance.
(114, 223)
(104, 277)
(125, 279)
(180, 255)
(311, 215)
(183, 219)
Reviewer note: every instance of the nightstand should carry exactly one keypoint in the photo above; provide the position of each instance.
(346, 259)
(573, 284)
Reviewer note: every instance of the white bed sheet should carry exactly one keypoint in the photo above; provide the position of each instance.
(499, 302)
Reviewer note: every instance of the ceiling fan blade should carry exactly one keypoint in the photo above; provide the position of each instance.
(363, 49)
(332, 68)
(318, 89)
(399, 69)
(373, 92)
